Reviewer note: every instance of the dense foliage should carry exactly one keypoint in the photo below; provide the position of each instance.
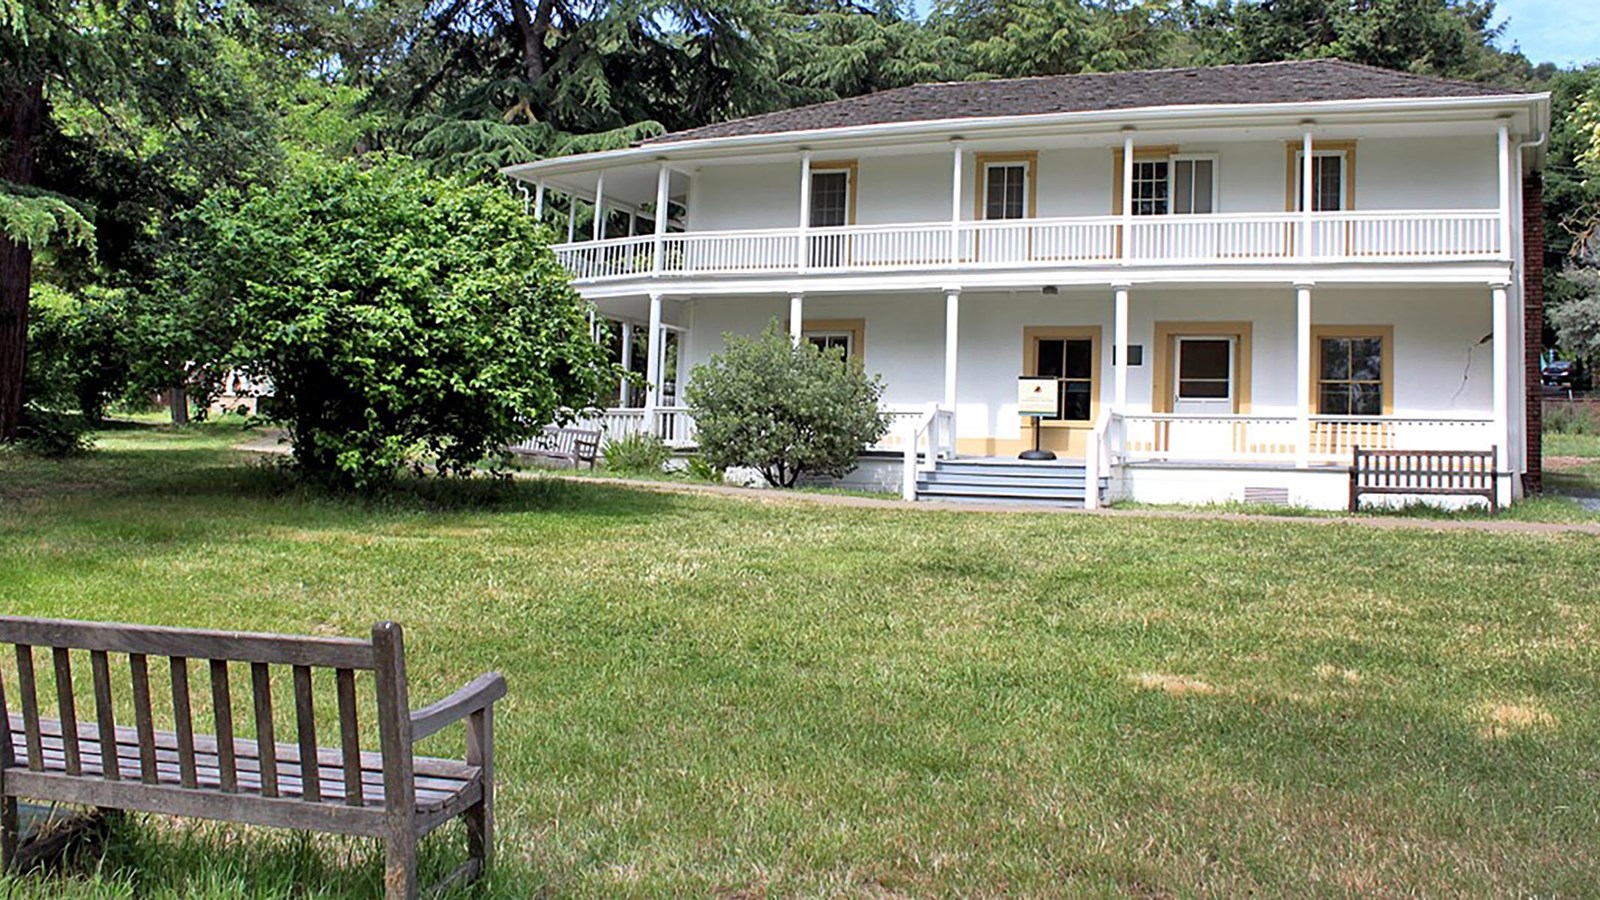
(785, 409)
(403, 320)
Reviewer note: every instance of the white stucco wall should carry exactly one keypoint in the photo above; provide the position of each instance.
(1439, 368)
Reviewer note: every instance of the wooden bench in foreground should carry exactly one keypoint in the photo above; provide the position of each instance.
(1465, 473)
(92, 760)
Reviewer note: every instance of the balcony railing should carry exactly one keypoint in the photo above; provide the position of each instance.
(1232, 238)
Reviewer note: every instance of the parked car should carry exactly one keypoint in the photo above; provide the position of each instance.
(1560, 373)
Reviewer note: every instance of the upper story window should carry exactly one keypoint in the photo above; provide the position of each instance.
(1183, 185)
(1332, 177)
(1006, 185)
(832, 194)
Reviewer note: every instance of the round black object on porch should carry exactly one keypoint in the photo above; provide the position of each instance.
(1037, 397)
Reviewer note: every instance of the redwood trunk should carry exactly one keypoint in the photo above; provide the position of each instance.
(21, 111)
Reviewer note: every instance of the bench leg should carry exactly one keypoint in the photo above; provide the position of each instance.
(480, 816)
(400, 867)
(8, 833)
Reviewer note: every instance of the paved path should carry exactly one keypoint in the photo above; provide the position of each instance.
(1498, 526)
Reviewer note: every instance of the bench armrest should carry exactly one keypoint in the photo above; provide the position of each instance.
(480, 694)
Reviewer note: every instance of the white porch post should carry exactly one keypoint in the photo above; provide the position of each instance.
(538, 201)
(1502, 388)
(1302, 321)
(633, 221)
(803, 252)
(1503, 139)
(1307, 191)
(1119, 364)
(572, 218)
(600, 206)
(952, 325)
(663, 190)
(1127, 195)
(652, 367)
(624, 387)
(797, 310)
(955, 203)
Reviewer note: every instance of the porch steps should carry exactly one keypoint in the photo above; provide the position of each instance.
(1012, 481)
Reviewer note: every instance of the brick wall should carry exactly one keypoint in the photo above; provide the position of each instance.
(1533, 321)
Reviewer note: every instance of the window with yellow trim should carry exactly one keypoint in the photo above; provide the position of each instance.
(1005, 190)
(1070, 361)
(1350, 377)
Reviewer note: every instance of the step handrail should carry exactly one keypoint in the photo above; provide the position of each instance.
(922, 427)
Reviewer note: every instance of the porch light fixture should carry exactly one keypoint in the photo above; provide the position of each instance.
(1050, 290)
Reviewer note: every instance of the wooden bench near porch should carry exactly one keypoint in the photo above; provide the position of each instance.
(1462, 473)
(391, 794)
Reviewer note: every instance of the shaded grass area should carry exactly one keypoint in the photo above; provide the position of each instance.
(714, 696)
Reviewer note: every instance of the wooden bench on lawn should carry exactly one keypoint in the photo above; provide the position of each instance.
(575, 445)
(1464, 473)
(391, 794)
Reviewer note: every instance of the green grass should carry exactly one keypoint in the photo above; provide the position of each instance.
(710, 696)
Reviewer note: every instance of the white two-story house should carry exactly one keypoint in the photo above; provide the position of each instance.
(1231, 275)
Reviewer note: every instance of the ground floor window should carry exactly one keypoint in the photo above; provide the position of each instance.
(847, 335)
(1350, 375)
(1070, 361)
(832, 340)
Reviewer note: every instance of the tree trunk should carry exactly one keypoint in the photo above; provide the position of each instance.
(21, 112)
(532, 32)
(178, 405)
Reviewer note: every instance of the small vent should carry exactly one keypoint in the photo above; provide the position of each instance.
(1273, 496)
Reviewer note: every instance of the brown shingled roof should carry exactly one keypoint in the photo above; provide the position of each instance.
(1284, 82)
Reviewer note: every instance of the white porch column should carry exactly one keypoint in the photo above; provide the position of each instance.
(803, 251)
(1308, 190)
(955, 203)
(1502, 387)
(952, 326)
(633, 221)
(1302, 368)
(797, 302)
(572, 218)
(1119, 362)
(663, 191)
(627, 363)
(1503, 139)
(600, 206)
(1127, 195)
(652, 367)
(538, 201)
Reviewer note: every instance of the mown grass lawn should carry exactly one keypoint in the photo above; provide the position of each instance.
(713, 696)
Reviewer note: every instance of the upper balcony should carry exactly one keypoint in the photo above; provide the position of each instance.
(1298, 169)
(1388, 236)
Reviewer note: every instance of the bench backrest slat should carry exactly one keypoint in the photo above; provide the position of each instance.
(266, 732)
(222, 714)
(28, 696)
(183, 719)
(143, 716)
(349, 736)
(67, 707)
(105, 714)
(305, 716)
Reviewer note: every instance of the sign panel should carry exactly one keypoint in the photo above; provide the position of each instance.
(1037, 396)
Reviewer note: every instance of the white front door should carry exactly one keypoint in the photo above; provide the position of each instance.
(1204, 382)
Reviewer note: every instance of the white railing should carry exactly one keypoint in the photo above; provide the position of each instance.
(1229, 238)
(1233, 237)
(933, 436)
(1437, 234)
(902, 423)
(1231, 438)
(675, 426)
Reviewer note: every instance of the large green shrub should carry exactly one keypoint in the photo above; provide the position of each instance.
(783, 409)
(404, 320)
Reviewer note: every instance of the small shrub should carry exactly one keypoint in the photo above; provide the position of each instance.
(699, 468)
(783, 409)
(1571, 417)
(640, 453)
(52, 434)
